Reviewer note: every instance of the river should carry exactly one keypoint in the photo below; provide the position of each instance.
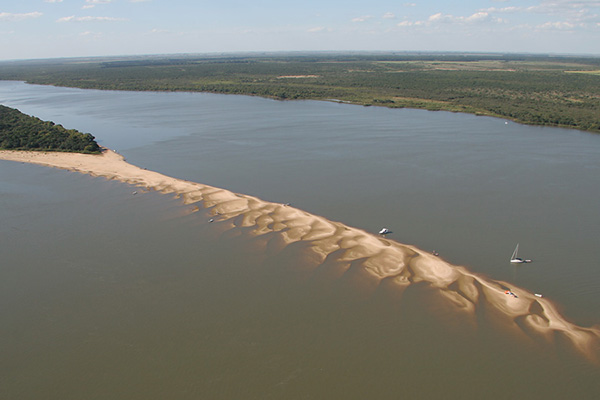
(109, 295)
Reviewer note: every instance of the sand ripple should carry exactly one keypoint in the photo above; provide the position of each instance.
(347, 250)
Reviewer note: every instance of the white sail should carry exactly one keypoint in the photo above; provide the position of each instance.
(514, 254)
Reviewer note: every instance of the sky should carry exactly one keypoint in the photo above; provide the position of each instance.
(33, 29)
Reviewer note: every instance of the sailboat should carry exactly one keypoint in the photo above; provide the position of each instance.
(516, 260)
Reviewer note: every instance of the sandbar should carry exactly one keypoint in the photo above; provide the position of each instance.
(374, 260)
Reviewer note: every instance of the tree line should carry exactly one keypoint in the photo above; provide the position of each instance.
(20, 131)
(529, 89)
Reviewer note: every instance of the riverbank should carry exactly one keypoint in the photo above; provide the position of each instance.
(369, 260)
(526, 89)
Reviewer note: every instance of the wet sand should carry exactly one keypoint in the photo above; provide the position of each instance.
(371, 260)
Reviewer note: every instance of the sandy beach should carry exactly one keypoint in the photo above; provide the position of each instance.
(372, 260)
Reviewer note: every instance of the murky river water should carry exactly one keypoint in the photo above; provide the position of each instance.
(109, 295)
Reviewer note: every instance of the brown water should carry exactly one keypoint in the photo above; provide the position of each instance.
(110, 295)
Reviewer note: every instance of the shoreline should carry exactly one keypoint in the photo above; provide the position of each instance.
(378, 98)
(372, 260)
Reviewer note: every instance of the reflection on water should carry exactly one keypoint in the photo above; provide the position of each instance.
(109, 295)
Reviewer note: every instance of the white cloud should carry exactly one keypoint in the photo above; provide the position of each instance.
(4, 16)
(318, 29)
(502, 10)
(558, 26)
(568, 9)
(568, 4)
(565, 9)
(437, 17)
(162, 33)
(156, 30)
(409, 4)
(562, 15)
(362, 19)
(53, 1)
(73, 18)
(476, 18)
(90, 34)
(388, 15)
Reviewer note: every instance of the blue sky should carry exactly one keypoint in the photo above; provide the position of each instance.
(73, 28)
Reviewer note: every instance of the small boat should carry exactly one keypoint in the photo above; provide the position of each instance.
(384, 231)
(516, 260)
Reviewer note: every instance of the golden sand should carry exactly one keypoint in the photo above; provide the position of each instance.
(373, 259)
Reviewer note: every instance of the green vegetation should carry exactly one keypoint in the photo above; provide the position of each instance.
(19, 131)
(529, 89)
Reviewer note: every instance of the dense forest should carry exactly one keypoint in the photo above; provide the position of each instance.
(539, 90)
(19, 131)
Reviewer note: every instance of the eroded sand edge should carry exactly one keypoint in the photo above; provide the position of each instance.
(376, 259)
